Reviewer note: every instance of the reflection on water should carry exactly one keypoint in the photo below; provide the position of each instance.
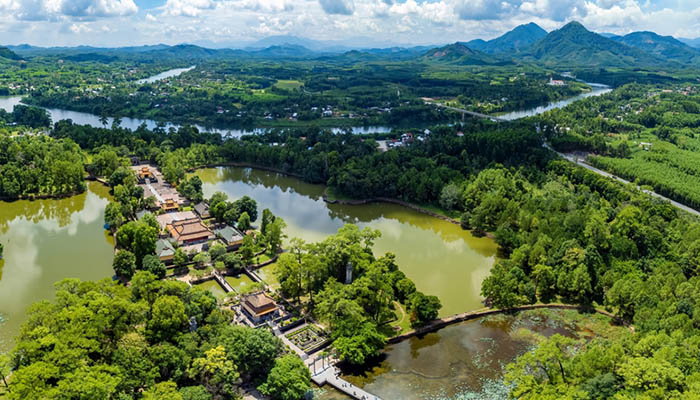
(463, 361)
(440, 257)
(46, 241)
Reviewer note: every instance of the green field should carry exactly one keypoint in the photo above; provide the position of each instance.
(289, 84)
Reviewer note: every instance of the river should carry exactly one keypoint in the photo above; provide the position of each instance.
(165, 75)
(440, 257)
(47, 241)
(81, 118)
(597, 90)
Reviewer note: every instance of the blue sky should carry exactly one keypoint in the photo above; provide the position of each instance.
(238, 22)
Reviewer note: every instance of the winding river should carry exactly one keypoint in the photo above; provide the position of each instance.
(597, 89)
(81, 118)
(165, 75)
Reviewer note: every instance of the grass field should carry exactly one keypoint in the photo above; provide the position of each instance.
(288, 84)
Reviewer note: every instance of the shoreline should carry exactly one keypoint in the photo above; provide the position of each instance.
(440, 323)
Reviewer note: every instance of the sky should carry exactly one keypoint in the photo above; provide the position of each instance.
(236, 23)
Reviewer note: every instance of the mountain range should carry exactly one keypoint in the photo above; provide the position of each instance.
(516, 40)
(571, 45)
(661, 46)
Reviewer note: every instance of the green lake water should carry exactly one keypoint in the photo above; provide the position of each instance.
(213, 286)
(240, 283)
(440, 257)
(47, 241)
(465, 361)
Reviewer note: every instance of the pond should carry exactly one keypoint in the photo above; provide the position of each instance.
(462, 361)
(213, 286)
(240, 283)
(47, 241)
(440, 257)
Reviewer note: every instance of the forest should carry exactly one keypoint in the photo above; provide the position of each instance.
(643, 133)
(38, 165)
(152, 340)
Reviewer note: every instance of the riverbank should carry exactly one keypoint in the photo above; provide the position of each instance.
(470, 315)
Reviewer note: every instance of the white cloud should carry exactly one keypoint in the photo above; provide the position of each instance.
(399, 21)
(187, 8)
(342, 7)
(265, 6)
(53, 10)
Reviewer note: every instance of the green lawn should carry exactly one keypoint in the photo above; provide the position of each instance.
(288, 84)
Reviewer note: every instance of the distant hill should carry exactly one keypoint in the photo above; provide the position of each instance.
(573, 45)
(662, 46)
(691, 42)
(284, 51)
(95, 57)
(9, 54)
(513, 41)
(459, 54)
(187, 51)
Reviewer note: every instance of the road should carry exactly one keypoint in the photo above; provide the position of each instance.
(584, 164)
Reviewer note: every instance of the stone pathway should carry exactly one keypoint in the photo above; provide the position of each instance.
(325, 372)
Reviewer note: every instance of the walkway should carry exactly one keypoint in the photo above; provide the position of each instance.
(227, 287)
(582, 163)
(457, 318)
(324, 372)
(154, 192)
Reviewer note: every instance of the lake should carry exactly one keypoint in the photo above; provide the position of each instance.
(47, 241)
(440, 257)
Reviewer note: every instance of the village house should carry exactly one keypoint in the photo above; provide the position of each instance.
(555, 82)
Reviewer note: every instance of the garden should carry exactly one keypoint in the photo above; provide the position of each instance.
(308, 338)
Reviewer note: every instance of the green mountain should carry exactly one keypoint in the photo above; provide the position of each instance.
(513, 41)
(662, 46)
(574, 45)
(459, 54)
(7, 53)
